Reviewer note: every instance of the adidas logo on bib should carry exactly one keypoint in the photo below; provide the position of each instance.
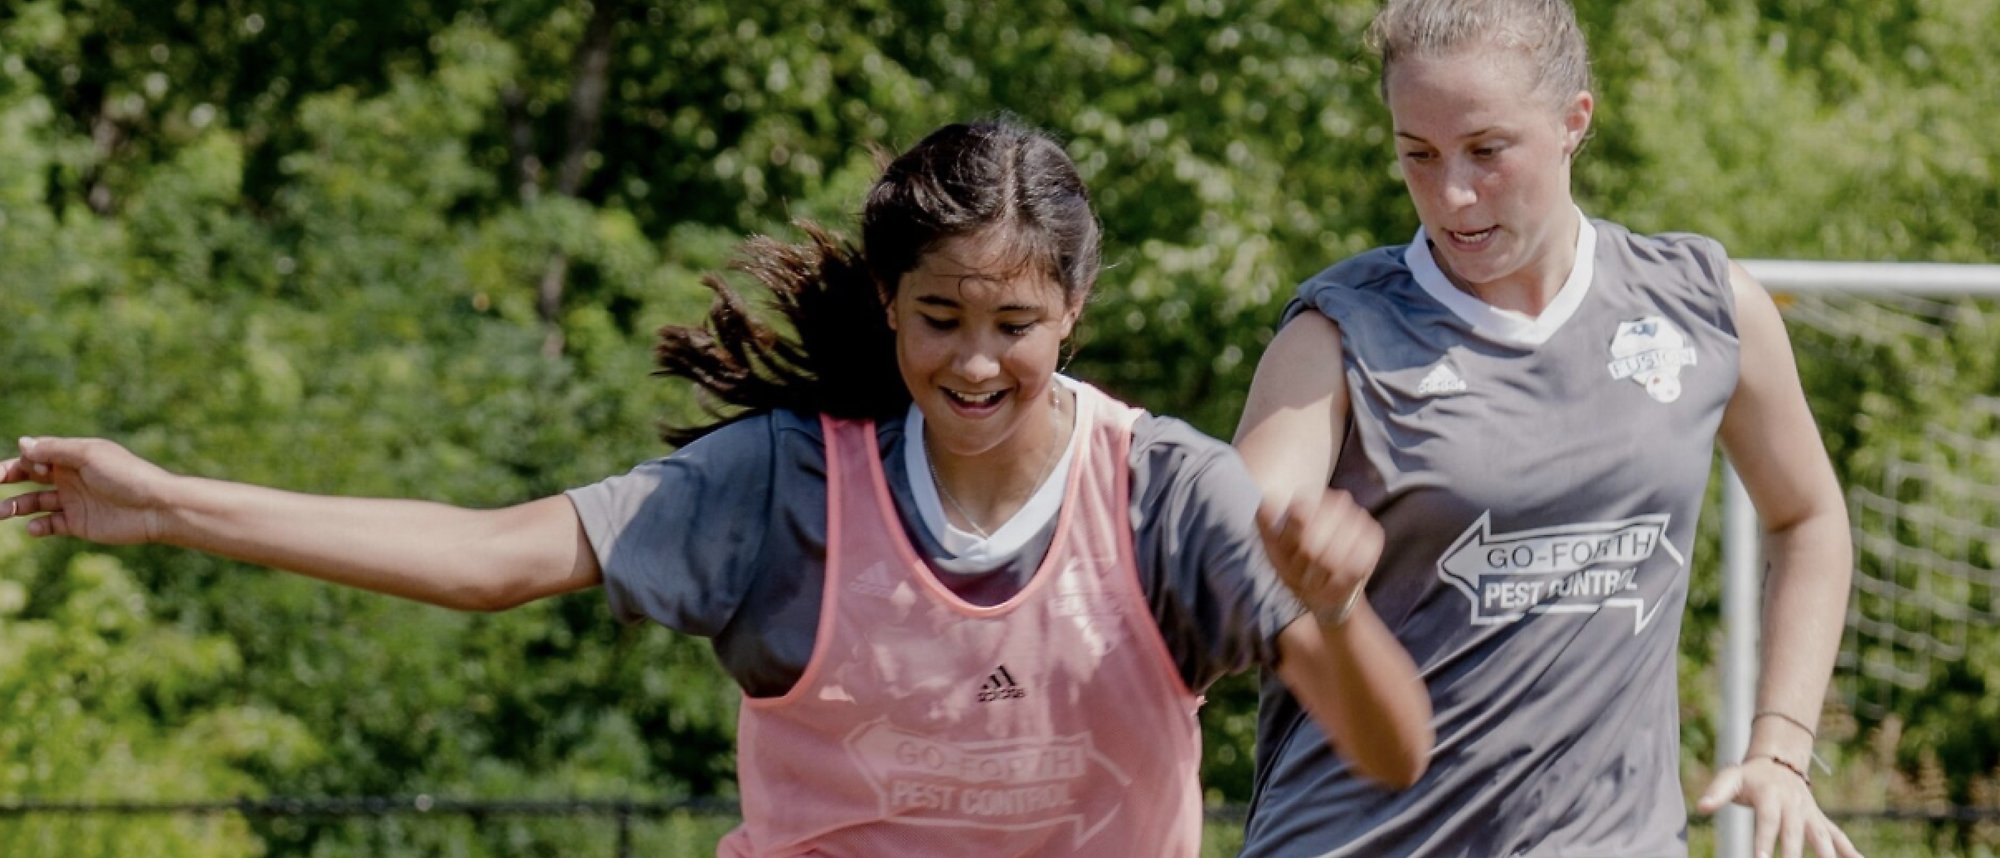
(874, 581)
(1000, 685)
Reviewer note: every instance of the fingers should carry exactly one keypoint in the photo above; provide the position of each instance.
(30, 504)
(44, 454)
(28, 467)
(1820, 835)
(52, 451)
(1284, 523)
(1846, 847)
(1827, 840)
(1721, 791)
(19, 470)
(53, 524)
(1322, 543)
(36, 503)
(1785, 816)
(1766, 836)
(1289, 534)
(1360, 535)
(1792, 833)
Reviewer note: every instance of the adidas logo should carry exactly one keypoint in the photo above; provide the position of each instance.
(1000, 685)
(1442, 380)
(874, 581)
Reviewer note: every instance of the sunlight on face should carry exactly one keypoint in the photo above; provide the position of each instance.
(1486, 159)
(979, 332)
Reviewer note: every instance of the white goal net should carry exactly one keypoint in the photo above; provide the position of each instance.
(1901, 363)
(1923, 489)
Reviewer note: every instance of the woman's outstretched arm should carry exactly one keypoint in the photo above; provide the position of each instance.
(478, 560)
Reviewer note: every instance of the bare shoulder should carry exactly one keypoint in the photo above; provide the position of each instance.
(1304, 357)
(1307, 330)
(1759, 328)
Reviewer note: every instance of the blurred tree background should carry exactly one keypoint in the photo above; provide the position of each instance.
(419, 248)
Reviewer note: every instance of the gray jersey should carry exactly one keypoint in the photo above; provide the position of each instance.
(726, 539)
(1539, 481)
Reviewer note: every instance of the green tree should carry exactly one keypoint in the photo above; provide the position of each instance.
(419, 249)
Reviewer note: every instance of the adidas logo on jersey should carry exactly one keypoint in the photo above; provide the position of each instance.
(1000, 685)
(874, 581)
(1442, 380)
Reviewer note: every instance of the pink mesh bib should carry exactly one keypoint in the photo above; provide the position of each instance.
(1054, 724)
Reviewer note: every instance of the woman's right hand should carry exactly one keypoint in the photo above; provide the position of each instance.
(1324, 547)
(99, 491)
(1323, 544)
(1344, 666)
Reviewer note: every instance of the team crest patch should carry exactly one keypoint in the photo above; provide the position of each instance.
(1650, 351)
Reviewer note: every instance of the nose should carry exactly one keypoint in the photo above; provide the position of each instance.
(976, 364)
(1460, 180)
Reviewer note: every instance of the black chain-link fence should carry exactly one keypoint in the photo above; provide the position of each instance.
(690, 827)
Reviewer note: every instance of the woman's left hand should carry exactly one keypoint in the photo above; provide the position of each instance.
(1787, 814)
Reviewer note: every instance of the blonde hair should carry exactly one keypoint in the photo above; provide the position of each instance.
(1544, 31)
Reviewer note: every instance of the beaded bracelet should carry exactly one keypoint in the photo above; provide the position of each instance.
(1787, 766)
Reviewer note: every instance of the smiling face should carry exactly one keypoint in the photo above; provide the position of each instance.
(978, 335)
(1486, 157)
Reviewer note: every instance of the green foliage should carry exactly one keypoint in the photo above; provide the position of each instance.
(101, 700)
(299, 244)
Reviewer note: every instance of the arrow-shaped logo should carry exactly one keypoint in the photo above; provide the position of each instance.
(1007, 785)
(1571, 568)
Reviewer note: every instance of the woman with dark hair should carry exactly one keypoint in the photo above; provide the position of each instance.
(971, 603)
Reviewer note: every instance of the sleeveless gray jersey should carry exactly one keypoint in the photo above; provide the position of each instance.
(1539, 481)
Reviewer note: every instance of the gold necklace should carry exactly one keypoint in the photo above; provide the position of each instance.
(946, 494)
(1055, 453)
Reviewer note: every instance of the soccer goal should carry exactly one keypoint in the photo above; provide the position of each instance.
(1906, 358)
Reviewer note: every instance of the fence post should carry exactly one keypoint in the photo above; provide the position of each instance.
(1742, 596)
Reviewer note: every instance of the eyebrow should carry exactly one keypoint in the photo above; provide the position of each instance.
(1490, 129)
(943, 302)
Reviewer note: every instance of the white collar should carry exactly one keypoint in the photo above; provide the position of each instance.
(1509, 326)
(1009, 538)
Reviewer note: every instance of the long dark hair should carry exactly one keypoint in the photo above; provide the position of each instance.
(840, 358)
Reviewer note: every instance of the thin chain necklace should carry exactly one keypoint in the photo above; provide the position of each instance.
(1055, 452)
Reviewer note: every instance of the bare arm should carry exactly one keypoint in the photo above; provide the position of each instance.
(1769, 436)
(1296, 414)
(1361, 686)
(1343, 664)
(435, 553)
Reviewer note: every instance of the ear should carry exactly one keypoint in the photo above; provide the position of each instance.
(1576, 121)
(1068, 321)
(888, 306)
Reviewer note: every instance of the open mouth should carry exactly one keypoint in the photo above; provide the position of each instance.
(974, 401)
(1473, 238)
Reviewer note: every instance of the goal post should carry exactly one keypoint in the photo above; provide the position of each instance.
(1742, 585)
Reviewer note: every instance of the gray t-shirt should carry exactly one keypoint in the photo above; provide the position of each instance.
(726, 539)
(1539, 481)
